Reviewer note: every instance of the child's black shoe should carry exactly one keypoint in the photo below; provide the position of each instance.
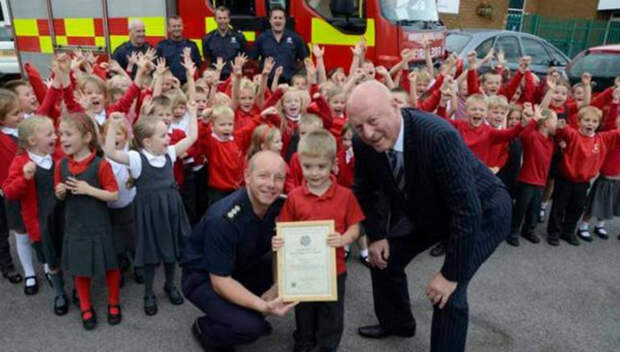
(89, 319)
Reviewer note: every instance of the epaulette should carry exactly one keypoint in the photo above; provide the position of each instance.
(232, 213)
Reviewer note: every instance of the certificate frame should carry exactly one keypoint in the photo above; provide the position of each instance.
(285, 275)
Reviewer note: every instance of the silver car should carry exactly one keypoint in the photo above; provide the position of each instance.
(513, 44)
(9, 66)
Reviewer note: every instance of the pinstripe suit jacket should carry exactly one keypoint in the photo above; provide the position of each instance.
(446, 191)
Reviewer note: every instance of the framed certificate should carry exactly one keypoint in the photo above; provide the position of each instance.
(306, 266)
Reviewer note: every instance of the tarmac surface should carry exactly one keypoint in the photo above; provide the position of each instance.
(530, 298)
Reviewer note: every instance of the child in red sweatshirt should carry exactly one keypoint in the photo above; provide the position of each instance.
(584, 155)
(538, 145)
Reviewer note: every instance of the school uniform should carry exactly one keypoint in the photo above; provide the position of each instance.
(8, 139)
(39, 207)
(161, 222)
(583, 158)
(122, 211)
(481, 139)
(323, 322)
(88, 248)
(226, 160)
(537, 153)
(604, 198)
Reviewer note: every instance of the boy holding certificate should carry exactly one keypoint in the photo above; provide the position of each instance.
(321, 198)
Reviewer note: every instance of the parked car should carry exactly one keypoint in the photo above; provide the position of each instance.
(602, 62)
(513, 44)
(9, 66)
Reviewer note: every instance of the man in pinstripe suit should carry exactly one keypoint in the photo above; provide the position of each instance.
(436, 189)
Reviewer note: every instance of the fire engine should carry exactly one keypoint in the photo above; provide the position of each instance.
(45, 27)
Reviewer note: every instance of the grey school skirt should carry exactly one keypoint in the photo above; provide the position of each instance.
(604, 199)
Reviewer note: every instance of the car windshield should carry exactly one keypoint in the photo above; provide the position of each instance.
(597, 64)
(455, 42)
(409, 10)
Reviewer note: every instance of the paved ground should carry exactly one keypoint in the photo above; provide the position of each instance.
(533, 298)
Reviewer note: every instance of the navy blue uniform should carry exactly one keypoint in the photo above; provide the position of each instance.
(226, 46)
(230, 240)
(122, 52)
(285, 53)
(172, 50)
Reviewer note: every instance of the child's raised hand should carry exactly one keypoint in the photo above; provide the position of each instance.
(269, 111)
(150, 54)
(412, 76)
(586, 78)
(382, 71)
(405, 55)
(551, 83)
(283, 87)
(500, 58)
(279, 71)
(268, 66)
(472, 60)
(160, 67)
(317, 51)
(334, 239)
(78, 186)
(29, 169)
(117, 117)
(562, 143)
(489, 56)
(277, 242)
(192, 108)
(219, 64)
(61, 190)
(617, 81)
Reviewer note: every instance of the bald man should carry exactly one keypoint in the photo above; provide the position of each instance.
(437, 191)
(227, 264)
(137, 44)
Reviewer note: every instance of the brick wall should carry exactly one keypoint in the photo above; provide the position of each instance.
(467, 17)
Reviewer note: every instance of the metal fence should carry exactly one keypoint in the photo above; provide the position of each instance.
(574, 35)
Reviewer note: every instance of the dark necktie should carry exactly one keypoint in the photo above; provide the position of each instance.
(397, 165)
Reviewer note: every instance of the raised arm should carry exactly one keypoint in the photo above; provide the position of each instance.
(260, 95)
(192, 134)
(318, 53)
(237, 72)
(109, 147)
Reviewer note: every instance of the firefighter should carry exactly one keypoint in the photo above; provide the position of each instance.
(223, 42)
(172, 49)
(137, 44)
(285, 46)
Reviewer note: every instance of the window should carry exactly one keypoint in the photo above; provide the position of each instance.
(409, 10)
(483, 49)
(455, 42)
(557, 55)
(536, 50)
(346, 15)
(236, 7)
(597, 64)
(510, 46)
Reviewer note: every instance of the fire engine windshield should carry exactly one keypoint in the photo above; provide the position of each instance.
(408, 11)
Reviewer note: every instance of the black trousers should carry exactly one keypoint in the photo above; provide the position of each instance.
(215, 194)
(226, 324)
(6, 261)
(189, 195)
(321, 323)
(526, 206)
(201, 178)
(569, 200)
(449, 325)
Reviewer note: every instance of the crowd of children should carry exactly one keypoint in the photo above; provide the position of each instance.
(100, 172)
